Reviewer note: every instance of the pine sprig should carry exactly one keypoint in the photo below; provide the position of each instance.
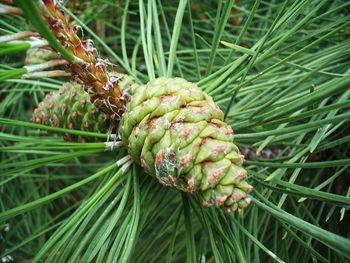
(309, 136)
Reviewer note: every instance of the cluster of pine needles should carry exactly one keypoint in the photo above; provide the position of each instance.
(280, 70)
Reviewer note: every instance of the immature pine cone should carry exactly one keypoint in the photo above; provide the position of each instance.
(176, 133)
(70, 108)
(39, 55)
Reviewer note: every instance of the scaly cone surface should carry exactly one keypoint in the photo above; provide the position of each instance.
(171, 127)
(39, 55)
(70, 108)
(176, 133)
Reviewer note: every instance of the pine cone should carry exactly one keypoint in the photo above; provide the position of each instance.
(39, 55)
(70, 108)
(177, 134)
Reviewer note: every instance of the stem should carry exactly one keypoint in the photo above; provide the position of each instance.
(16, 36)
(46, 74)
(9, 10)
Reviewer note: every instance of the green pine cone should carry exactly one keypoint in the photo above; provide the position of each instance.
(176, 133)
(70, 108)
(39, 55)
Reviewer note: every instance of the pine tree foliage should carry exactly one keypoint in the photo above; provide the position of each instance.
(279, 70)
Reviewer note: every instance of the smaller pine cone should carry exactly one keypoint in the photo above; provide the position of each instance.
(70, 108)
(39, 55)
